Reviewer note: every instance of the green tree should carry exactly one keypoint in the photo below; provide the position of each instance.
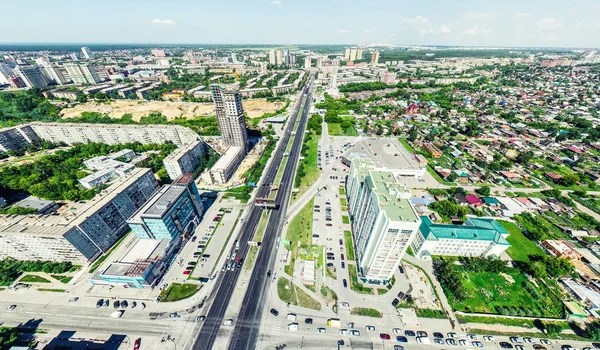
(483, 190)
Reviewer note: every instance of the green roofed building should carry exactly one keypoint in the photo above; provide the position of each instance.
(383, 219)
(476, 237)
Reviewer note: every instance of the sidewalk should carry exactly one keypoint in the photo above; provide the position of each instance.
(427, 267)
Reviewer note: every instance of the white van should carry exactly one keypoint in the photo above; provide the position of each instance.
(291, 317)
(292, 326)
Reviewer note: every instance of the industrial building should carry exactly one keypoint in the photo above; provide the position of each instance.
(383, 220)
(81, 231)
(173, 212)
(476, 237)
(32, 76)
(185, 159)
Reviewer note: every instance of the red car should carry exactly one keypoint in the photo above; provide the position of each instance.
(384, 336)
(136, 345)
(187, 272)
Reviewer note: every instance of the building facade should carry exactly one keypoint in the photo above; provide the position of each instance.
(32, 76)
(16, 138)
(172, 213)
(226, 166)
(383, 221)
(83, 232)
(230, 115)
(185, 159)
(475, 238)
(87, 53)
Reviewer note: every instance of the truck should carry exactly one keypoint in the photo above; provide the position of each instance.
(334, 322)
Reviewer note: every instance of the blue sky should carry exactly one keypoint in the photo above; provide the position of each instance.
(428, 22)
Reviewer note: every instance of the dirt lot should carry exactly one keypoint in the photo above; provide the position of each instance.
(171, 110)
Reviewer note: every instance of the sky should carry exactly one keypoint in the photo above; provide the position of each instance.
(539, 23)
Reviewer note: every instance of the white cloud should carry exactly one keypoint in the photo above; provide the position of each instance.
(276, 2)
(548, 24)
(444, 29)
(477, 30)
(416, 20)
(479, 15)
(343, 31)
(367, 31)
(523, 14)
(166, 22)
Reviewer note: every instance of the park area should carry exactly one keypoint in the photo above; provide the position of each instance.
(177, 291)
(291, 294)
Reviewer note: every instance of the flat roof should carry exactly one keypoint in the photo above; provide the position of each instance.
(159, 204)
(142, 249)
(227, 157)
(385, 153)
(434, 232)
(386, 188)
(36, 203)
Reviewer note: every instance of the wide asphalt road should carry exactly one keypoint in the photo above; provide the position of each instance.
(208, 333)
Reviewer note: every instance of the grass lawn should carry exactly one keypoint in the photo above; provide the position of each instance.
(409, 251)
(177, 291)
(354, 284)
(311, 169)
(62, 279)
(33, 279)
(300, 233)
(295, 296)
(349, 245)
(251, 257)
(344, 203)
(381, 291)
(101, 259)
(342, 191)
(54, 290)
(262, 225)
(335, 129)
(280, 172)
(328, 294)
(345, 219)
(494, 293)
(365, 311)
(520, 246)
(429, 313)
(406, 145)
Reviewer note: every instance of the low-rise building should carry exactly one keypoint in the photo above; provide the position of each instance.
(226, 166)
(562, 249)
(431, 148)
(475, 238)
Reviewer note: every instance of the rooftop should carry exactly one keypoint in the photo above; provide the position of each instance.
(477, 229)
(227, 157)
(159, 204)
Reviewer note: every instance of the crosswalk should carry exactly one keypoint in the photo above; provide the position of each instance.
(276, 327)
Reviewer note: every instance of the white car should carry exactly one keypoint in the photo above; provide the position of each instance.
(451, 335)
(462, 342)
(488, 338)
(370, 328)
(545, 342)
(343, 331)
(472, 337)
(528, 340)
(396, 331)
(519, 347)
(515, 339)
(344, 304)
(354, 333)
(321, 330)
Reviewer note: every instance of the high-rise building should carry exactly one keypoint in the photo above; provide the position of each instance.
(87, 53)
(359, 53)
(32, 76)
(272, 59)
(54, 75)
(347, 54)
(82, 74)
(384, 222)
(279, 55)
(375, 57)
(307, 62)
(230, 115)
(292, 59)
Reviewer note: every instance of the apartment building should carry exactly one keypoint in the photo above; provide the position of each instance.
(81, 231)
(87, 53)
(375, 57)
(18, 137)
(185, 159)
(72, 133)
(32, 76)
(230, 115)
(82, 74)
(172, 213)
(383, 221)
(475, 238)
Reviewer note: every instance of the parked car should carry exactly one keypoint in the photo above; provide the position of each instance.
(99, 303)
(409, 333)
(274, 312)
(395, 302)
(124, 304)
(402, 339)
(308, 320)
(384, 336)
(116, 304)
(345, 283)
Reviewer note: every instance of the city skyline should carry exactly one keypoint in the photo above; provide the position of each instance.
(465, 23)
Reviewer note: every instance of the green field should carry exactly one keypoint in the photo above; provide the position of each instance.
(349, 245)
(62, 279)
(295, 296)
(33, 279)
(335, 129)
(343, 203)
(342, 191)
(309, 166)
(299, 233)
(521, 247)
(496, 294)
(345, 219)
(177, 291)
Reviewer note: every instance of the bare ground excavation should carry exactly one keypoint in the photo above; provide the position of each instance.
(116, 109)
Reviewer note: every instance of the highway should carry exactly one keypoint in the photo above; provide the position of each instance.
(248, 323)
